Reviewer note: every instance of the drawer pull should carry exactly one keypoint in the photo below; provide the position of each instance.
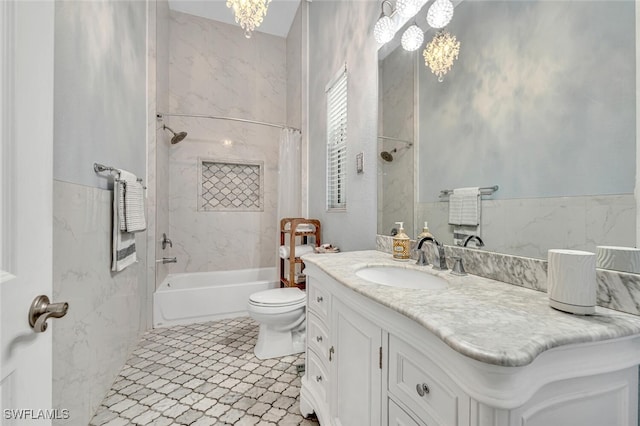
(319, 299)
(319, 339)
(422, 389)
(318, 378)
(331, 352)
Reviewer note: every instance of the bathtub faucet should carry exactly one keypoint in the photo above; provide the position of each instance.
(168, 260)
(166, 241)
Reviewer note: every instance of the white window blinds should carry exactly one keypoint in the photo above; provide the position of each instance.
(337, 143)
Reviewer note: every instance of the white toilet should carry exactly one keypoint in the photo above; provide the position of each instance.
(281, 314)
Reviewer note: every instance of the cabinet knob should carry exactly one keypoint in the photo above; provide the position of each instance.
(422, 389)
(319, 299)
(318, 378)
(319, 339)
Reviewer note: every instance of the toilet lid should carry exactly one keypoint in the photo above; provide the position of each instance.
(278, 297)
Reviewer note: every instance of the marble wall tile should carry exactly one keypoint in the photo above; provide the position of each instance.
(530, 227)
(215, 70)
(106, 310)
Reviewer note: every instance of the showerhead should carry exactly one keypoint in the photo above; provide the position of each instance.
(177, 137)
(387, 156)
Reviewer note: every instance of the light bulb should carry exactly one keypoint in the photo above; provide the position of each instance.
(407, 8)
(412, 38)
(440, 13)
(384, 30)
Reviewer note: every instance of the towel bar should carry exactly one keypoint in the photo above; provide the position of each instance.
(486, 190)
(99, 168)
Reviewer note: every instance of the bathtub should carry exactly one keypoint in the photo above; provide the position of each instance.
(205, 296)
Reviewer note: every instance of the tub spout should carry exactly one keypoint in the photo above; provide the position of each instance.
(167, 260)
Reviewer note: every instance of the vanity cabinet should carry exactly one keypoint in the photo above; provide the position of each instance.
(369, 365)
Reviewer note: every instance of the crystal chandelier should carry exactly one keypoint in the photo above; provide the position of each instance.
(440, 13)
(412, 38)
(440, 53)
(249, 13)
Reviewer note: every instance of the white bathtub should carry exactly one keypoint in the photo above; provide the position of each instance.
(205, 296)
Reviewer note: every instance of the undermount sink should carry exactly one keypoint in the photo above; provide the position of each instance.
(402, 278)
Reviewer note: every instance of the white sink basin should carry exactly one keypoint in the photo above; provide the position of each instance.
(402, 278)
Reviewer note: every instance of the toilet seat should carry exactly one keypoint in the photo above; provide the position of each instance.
(278, 297)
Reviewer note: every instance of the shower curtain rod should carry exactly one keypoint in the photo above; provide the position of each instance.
(217, 117)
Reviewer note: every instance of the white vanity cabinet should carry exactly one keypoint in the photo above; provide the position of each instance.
(369, 365)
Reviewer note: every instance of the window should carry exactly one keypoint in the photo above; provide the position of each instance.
(337, 143)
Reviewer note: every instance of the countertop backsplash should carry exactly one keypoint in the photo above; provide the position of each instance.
(616, 290)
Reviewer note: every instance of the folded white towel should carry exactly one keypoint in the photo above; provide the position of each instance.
(464, 206)
(284, 251)
(124, 177)
(134, 207)
(124, 243)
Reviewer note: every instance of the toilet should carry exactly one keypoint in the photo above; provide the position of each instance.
(281, 314)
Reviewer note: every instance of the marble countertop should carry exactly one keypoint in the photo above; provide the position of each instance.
(487, 320)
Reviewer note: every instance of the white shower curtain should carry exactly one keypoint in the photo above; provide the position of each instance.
(289, 175)
(289, 181)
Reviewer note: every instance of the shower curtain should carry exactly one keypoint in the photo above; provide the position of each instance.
(289, 180)
(289, 177)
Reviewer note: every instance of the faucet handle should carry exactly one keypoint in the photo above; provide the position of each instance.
(458, 268)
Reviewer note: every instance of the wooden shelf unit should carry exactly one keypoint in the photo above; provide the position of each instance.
(289, 236)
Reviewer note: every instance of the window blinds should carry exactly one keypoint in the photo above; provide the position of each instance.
(337, 143)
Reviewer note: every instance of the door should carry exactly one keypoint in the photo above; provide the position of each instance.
(26, 146)
(356, 385)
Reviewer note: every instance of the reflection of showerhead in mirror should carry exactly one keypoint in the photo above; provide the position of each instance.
(177, 137)
(388, 155)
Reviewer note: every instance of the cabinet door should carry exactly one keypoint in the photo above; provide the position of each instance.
(356, 389)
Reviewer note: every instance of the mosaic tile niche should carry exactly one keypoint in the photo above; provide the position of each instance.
(230, 186)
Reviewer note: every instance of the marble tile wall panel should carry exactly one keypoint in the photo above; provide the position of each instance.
(160, 160)
(106, 310)
(616, 290)
(215, 70)
(530, 227)
(395, 202)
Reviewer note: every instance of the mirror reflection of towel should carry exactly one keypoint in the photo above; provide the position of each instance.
(464, 206)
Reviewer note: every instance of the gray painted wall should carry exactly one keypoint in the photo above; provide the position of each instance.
(339, 32)
(100, 89)
(540, 102)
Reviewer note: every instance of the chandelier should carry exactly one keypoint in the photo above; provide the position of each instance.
(440, 53)
(249, 13)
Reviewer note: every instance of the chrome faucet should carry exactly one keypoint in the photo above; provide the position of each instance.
(479, 242)
(440, 262)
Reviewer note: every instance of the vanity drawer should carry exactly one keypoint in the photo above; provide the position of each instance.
(398, 417)
(425, 388)
(319, 300)
(318, 336)
(317, 375)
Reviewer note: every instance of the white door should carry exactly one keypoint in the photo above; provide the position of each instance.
(26, 146)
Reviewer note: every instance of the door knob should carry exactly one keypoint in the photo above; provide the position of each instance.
(41, 310)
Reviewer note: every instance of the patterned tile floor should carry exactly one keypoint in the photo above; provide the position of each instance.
(204, 374)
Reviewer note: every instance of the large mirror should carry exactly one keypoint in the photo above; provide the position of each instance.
(540, 102)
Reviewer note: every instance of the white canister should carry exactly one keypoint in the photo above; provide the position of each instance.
(571, 281)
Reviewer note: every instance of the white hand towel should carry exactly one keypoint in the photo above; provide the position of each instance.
(124, 243)
(134, 206)
(464, 206)
(284, 251)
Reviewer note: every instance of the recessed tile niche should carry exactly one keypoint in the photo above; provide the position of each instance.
(230, 185)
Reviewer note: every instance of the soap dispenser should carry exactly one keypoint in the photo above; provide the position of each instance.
(401, 243)
(425, 232)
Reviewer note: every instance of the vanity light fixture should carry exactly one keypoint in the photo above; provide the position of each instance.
(440, 53)
(384, 30)
(249, 13)
(412, 38)
(407, 8)
(440, 13)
